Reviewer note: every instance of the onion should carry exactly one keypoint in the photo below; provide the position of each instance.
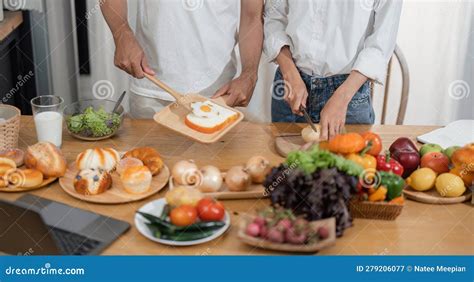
(237, 179)
(186, 173)
(309, 135)
(211, 179)
(258, 167)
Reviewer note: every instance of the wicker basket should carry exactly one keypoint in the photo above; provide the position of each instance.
(9, 126)
(375, 210)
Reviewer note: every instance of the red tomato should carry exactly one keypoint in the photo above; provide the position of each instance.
(210, 210)
(183, 215)
(376, 142)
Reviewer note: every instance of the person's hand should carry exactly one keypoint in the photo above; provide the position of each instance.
(333, 116)
(239, 91)
(129, 55)
(296, 93)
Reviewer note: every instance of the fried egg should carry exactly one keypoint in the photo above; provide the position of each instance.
(205, 109)
(208, 117)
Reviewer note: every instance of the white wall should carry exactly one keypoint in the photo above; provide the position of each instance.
(435, 36)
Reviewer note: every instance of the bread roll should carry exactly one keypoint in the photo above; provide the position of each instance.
(99, 158)
(47, 158)
(136, 179)
(126, 163)
(3, 182)
(24, 178)
(16, 155)
(6, 164)
(149, 156)
(92, 182)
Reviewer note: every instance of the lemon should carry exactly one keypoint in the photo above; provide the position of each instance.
(450, 185)
(422, 179)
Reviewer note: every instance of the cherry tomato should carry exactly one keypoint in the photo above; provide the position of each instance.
(183, 215)
(210, 210)
(376, 143)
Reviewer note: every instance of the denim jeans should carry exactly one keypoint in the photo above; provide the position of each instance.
(359, 111)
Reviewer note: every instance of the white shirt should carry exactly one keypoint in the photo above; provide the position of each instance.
(331, 37)
(188, 43)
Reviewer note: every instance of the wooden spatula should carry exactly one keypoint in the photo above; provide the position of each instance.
(181, 99)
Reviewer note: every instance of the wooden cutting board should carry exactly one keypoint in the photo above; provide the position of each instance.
(285, 144)
(12, 189)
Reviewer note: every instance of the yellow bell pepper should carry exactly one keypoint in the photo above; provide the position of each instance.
(379, 194)
(366, 161)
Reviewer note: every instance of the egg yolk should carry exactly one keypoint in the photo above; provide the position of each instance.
(205, 109)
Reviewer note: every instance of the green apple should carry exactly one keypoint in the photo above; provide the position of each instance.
(428, 148)
(450, 150)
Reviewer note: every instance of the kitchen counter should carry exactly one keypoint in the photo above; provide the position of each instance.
(421, 229)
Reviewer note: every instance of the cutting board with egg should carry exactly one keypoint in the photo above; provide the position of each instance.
(205, 121)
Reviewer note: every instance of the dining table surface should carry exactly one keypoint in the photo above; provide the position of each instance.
(421, 229)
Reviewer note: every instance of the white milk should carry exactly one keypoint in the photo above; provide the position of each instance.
(49, 127)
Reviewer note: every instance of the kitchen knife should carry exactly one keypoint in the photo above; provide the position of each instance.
(308, 119)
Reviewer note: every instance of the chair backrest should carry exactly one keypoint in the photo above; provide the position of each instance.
(400, 58)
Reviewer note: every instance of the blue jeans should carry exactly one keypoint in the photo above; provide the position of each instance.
(359, 111)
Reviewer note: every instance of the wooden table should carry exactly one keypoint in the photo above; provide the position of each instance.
(421, 229)
(12, 20)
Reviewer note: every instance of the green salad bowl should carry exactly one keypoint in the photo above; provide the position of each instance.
(93, 120)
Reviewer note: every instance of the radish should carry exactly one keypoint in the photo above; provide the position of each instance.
(260, 221)
(275, 235)
(294, 237)
(323, 232)
(253, 230)
(284, 224)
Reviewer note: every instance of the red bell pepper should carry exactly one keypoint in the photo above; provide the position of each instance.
(386, 163)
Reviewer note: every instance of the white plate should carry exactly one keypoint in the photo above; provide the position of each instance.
(156, 208)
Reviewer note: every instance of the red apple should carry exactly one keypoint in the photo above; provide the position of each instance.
(437, 161)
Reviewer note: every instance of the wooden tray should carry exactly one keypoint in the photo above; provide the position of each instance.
(286, 144)
(255, 191)
(173, 116)
(432, 197)
(11, 189)
(116, 194)
(264, 244)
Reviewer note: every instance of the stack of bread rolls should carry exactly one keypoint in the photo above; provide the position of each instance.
(136, 170)
(42, 160)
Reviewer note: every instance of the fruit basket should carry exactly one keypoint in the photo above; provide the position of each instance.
(375, 210)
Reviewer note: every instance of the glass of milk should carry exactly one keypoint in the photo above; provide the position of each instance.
(48, 117)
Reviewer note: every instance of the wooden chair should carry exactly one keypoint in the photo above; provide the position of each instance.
(400, 58)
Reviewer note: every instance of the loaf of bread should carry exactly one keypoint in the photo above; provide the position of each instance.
(47, 158)
(16, 155)
(99, 158)
(6, 164)
(24, 178)
(126, 163)
(136, 179)
(149, 156)
(92, 182)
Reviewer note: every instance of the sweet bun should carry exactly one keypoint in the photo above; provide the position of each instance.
(126, 163)
(16, 155)
(98, 158)
(3, 182)
(24, 178)
(149, 156)
(47, 158)
(92, 182)
(6, 164)
(136, 179)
